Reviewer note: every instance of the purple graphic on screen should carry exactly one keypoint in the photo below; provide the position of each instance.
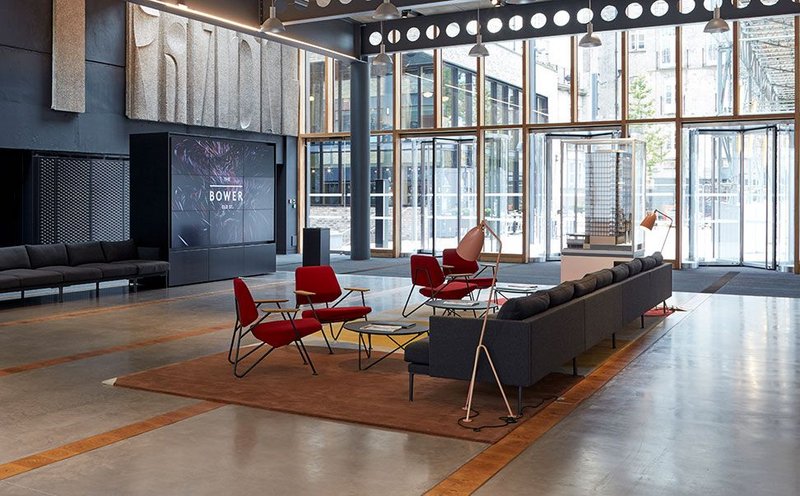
(222, 192)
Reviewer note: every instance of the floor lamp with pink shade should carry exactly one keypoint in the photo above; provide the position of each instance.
(470, 249)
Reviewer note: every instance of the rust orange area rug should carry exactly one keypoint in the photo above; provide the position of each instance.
(377, 397)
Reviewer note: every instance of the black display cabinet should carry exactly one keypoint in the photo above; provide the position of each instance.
(208, 204)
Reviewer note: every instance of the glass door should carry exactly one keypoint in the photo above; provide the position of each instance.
(439, 181)
(738, 203)
(545, 205)
(758, 193)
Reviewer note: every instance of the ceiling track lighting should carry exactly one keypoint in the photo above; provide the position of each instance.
(590, 40)
(386, 11)
(272, 24)
(182, 4)
(717, 24)
(478, 50)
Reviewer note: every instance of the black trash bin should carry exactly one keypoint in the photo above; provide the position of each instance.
(316, 246)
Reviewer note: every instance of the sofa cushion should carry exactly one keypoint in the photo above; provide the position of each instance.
(525, 306)
(659, 258)
(114, 270)
(585, 286)
(147, 267)
(647, 263)
(116, 251)
(561, 293)
(76, 274)
(634, 267)
(14, 257)
(620, 272)
(44, 255)
(603, 277)
(8, 282)
(418, 352)
(84, 253)
(31, 278)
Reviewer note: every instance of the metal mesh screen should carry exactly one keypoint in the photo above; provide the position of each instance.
(82, 198)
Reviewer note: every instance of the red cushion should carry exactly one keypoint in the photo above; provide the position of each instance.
(460, 266)
(279, 333)
(320, 280)
(448, 291)
(338, 314)
(481, 282)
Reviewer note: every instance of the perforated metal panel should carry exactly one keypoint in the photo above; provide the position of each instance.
(82, 198)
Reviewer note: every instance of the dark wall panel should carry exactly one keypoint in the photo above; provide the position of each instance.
(105, 20)
(27, 24)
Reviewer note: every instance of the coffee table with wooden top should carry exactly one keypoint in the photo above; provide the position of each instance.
(391, 330)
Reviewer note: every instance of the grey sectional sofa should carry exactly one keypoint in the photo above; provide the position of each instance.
(58, 265)
(535, 335)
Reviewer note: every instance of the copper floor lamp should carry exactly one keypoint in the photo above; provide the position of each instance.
(470, 249)
(649, 222)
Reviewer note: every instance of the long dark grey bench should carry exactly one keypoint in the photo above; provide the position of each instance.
(535, 335)
(28, 267)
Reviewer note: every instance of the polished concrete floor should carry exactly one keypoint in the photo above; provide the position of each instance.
(712, 407)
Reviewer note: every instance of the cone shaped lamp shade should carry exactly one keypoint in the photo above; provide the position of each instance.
(590, 40)
(649, 221)
(386, 12)
(272, 24)
(716, 24)
(471, 245)
(478, 49)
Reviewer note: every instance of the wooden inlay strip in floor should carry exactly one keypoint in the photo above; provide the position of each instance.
(476, 472)
(50, 362)
(81, 446)
(128, 306)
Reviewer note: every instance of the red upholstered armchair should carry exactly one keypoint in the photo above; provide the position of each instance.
(318, 287)
(275, 333)
(426, 273)
(455, 267)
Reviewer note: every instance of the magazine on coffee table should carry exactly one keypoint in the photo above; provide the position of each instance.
(464, 303)
(515, 286)
(384, 326)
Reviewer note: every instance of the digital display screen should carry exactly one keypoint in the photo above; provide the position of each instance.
(223, 192)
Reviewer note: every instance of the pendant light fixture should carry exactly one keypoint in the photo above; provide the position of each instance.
(478, 49)
(590, 40)
(272, 24)
(382, 62)
(386, 12)
(717, 24)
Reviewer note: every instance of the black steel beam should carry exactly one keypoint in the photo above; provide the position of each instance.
(673, 17)
(292, 13)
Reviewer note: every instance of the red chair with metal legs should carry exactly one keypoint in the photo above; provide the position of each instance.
(275, 334)
(469, 271)
(427, 274)
(318, 286)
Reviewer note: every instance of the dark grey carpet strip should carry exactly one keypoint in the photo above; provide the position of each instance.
(722, 281)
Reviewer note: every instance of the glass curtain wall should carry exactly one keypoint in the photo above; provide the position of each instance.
(381, 101)
(328, 187)
(502, 191)
(575, 92)
(341, 96)
(417, 90)
(550, 79)
(381, 173)
(315, 93)
(600, 80)
(503, 84)
(459, 88)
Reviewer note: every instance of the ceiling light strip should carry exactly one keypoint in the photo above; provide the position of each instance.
(242, 28)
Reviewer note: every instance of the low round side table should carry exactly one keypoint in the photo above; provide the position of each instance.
(413, 331)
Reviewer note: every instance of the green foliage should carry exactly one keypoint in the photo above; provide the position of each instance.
(641, 105)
